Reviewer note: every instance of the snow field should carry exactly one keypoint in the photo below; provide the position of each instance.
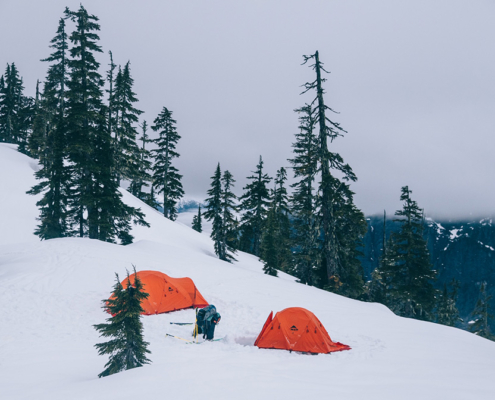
(51, 294)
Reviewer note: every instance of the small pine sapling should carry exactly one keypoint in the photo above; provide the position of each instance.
(127, 348)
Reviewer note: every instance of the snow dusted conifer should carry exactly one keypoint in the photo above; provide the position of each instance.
(55, 175)
(166, 177)
(95, 204)
(213, 213)
(15, 109)
(269, 248)
(335, 198)
(143, 177)
(254, 206)
(447, 312)
(229, 222)
(196, 222)
(406, 270)
(127, 348)
(126, 151)
(303, 199)
(481, 315)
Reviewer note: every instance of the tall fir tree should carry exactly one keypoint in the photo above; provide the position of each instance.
(254, 205)
(55, 176)
(166, 177)
(127, 348)
(126, 151)
(15, 109)
(111, 95)
(406, 270)
(303, 200)
(333, 193)
(269, 248)
(96, 206)
(229, 222)
(482, 315)
(214, 212)
(143, 177)
(275, 240)
(197, 223)
(281, 202)
(36, 141)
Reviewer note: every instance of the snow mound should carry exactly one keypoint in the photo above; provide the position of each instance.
(51, 294)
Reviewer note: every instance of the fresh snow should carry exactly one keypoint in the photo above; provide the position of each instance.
(454, 234)
(51, 293)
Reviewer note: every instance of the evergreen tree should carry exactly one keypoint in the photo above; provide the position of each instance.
(447, 312)
(95, 205)
(143, 177)
(269, 248)
(127, 348)
(303, 199)
(275, 241)
(49, 129)
(166, 177)
(334, 197)
(283, 226)
(350, 229)
(229, 222)
(254, 205)
(406, 270)
(15, 109)
(196, 222)
(481, 315)
(110, 91)
(127, 153)
(36, 141)
(214, 212)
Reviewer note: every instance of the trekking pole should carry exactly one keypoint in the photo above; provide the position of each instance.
(196, 327)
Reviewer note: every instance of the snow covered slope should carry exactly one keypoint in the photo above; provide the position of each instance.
(51, 292)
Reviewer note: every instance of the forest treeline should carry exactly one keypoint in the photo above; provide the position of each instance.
(84, 128)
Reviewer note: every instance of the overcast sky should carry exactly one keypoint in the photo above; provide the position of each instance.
(413, 81)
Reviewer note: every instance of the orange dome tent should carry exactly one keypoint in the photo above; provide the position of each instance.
(166, 293)
(296, 329)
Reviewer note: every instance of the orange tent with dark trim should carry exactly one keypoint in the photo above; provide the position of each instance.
(296, 329)
(167, 294)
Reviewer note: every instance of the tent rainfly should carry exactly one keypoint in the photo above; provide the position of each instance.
(296, 329)
(167, 294)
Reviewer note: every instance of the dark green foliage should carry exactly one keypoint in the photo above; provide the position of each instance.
(49, 143)
(447, 312)
(275, 241)
(350, 228)
(269, 248)
(214, 212)
(16, 110)
(337, 269)
(143, 178)
(229, 222)
(481, 315)
(196, 222)
(127, 348)
(95, 204)
(84, 118)
(36, 141)
(110, 91)
(303, 199)
(254, 206)
(166, 177)
(405, 270)
(219, 209)
(126, 152)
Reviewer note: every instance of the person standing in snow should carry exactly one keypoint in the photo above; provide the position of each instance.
(207, 319)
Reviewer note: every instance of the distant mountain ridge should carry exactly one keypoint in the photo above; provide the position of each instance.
(460, 249)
